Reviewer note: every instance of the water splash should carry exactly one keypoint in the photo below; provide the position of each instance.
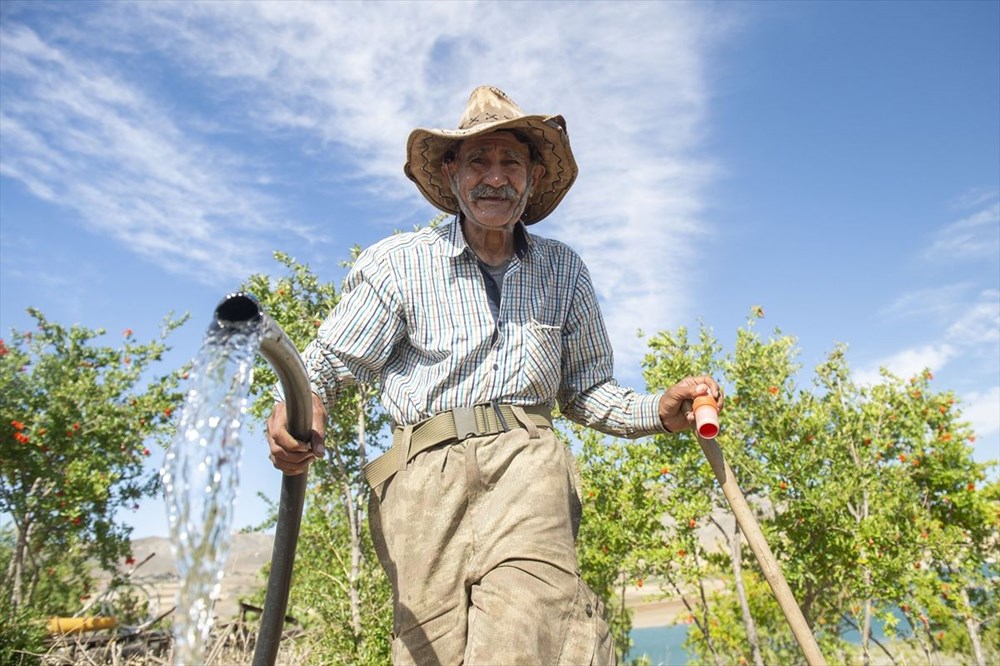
(200, 477)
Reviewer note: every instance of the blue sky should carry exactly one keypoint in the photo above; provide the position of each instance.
(836, 163)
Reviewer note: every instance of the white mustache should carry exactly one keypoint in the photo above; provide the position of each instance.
(505, 192)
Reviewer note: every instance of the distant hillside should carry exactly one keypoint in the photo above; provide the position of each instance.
(247, 554)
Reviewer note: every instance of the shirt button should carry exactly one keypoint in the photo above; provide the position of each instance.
(496, 366)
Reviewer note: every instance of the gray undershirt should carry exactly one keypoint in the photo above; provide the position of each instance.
(494, 285)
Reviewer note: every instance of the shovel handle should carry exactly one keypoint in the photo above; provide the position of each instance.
(755, 537)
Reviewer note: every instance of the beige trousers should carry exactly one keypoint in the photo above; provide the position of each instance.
(478, 540)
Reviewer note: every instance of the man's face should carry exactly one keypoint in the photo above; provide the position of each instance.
(490, 178)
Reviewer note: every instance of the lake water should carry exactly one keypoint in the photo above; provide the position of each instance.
(665, 645)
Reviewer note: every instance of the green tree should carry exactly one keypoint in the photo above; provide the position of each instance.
(339, 588)
(77, 419)
(868, 495)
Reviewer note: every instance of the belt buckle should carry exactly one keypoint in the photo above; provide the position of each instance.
(465, 422)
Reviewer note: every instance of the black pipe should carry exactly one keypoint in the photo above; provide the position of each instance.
(280, 352)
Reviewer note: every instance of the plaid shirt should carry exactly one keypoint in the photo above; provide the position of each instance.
(414, 319)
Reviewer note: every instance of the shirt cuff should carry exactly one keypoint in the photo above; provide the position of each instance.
(647, 414)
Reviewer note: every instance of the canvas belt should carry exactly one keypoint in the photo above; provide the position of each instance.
(453, 426)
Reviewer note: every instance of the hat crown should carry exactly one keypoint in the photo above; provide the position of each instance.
(488, 105)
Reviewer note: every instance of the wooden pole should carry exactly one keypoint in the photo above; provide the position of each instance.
(755, 537)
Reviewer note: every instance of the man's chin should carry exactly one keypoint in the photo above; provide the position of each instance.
(493, 216)
(493, 222)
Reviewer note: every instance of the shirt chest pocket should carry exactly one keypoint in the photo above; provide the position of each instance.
(542, 358)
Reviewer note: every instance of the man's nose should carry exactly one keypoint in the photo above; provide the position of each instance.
(495, 175)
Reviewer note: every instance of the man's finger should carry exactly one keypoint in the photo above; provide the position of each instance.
(282, 439)
(288, 468)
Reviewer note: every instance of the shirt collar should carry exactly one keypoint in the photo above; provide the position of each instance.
(523, 241)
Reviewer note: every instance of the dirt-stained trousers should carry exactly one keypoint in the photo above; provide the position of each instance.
(478, 540)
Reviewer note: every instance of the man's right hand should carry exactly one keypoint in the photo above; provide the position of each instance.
(676, 412)
(288, 454)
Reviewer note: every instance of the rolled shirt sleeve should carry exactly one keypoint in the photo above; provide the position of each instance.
(589, 394)
(360, 333)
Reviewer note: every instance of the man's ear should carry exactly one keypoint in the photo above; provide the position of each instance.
(536, 174)
(447, 170)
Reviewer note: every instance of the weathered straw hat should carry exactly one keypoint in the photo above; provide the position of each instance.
(489, 110)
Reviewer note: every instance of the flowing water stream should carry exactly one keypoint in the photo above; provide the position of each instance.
(200, 477)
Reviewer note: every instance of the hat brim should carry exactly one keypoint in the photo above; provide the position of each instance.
(426, 148)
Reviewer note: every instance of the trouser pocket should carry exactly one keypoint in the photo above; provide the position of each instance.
(434, 637)
(588, 640)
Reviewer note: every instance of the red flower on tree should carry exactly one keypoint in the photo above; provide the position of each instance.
(21, 437)
(17, 425)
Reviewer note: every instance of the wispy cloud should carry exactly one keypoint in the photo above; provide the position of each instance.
(970, 327)
(975, 236)
(966, 315)
(939, 302)
(907, 363)
(90, 139)
(976, 197)
(982, 409)
(979, 325)
(976, 355)
(349, 81)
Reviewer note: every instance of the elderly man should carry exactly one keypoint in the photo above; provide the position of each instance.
(473, 331)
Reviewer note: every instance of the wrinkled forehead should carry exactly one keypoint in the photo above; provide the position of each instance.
(500, 140)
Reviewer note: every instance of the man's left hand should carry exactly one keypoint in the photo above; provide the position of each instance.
(676, 411)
